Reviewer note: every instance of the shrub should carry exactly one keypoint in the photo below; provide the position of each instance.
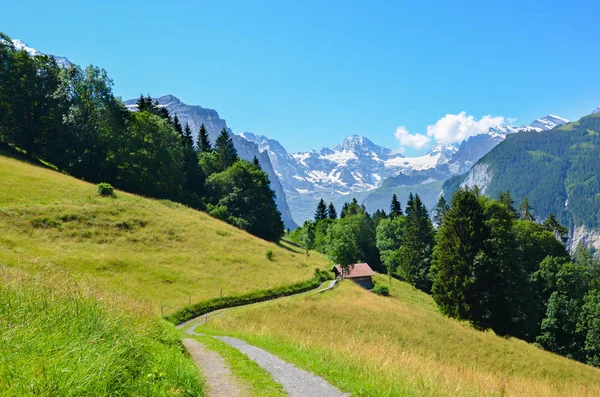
(106, 190)
(381, 289)
(269, 254)
(210, 305)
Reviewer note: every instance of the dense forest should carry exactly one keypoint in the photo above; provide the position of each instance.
(484, 261)
(70, 119)
(559, 171)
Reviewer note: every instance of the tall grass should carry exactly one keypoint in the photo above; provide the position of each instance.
(157, 251)
(61, 338)
(401, 345)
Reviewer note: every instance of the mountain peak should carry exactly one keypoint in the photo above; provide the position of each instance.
(548, 122)
(356, 142)
(597, 110)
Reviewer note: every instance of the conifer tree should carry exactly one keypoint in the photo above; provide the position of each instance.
(203, 140)
(344, 210)
(553, 225)
(506, 199)
(525, 210)
(460, 242)
(188, 139)
(417, 247)
(440, 210)
(226, 153)
(177, 126)
(395, 208)
(256, 163)
(331, 212)
(321, 212)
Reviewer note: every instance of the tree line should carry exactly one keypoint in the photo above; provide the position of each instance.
(70, 118)
(483, 261)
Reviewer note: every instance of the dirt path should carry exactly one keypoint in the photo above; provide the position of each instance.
(296, 382)
(219, 379)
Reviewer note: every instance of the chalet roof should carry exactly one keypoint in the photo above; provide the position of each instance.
(357, 270)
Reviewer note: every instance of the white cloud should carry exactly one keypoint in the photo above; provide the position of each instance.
(458, 127)
(416, 141)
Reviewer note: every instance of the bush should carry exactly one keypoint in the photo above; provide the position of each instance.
(381, 289)
(210, 305)
(106, 190)
(269, 254)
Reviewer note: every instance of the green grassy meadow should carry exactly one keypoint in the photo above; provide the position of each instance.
(155, 251)
(401, 346)
(60, 337)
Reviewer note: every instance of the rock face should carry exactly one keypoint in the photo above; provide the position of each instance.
(480, 175)
(192, 114)
(197, 115)
(589, 238)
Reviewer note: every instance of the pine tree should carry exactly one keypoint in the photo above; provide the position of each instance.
(188, 139)
(395, 208)
(460, 243)
(256, 163)
(553, 225)
(203, 140)
(525, 210)
(177, 126)
(141, 103)
(417, 247)
(321, 212)
(506, 199)
(344, 210)
(331, 212)
(440, 210)
(226, 153)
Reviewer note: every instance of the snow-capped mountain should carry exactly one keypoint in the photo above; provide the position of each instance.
(357, 166)
(548, 122)
(21, 45)
(597, 110)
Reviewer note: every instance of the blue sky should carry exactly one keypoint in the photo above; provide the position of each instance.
(311, 73)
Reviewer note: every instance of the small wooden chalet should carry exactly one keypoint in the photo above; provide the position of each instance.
(360, 273)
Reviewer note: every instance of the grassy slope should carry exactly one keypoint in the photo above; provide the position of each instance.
(377, 346)
(59, 338)
(156, 251)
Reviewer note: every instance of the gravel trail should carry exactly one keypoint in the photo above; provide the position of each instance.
(219, 379)
(296, 382)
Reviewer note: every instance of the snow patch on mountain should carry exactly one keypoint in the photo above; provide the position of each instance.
(597, 110)
(548, 122)
(21, 45)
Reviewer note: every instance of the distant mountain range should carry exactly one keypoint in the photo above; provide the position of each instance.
(359, 168)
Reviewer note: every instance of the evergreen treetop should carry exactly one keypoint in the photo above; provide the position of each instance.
(331, 212)
(321, 211)
(225, 151)
(203, 140)
(395, 208)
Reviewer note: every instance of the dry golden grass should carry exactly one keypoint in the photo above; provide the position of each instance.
(155, 251)
(378, 346)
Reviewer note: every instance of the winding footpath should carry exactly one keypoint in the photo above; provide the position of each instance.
(295, 381)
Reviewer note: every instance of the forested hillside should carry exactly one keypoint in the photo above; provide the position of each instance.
(68, 118)
(558, 170)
